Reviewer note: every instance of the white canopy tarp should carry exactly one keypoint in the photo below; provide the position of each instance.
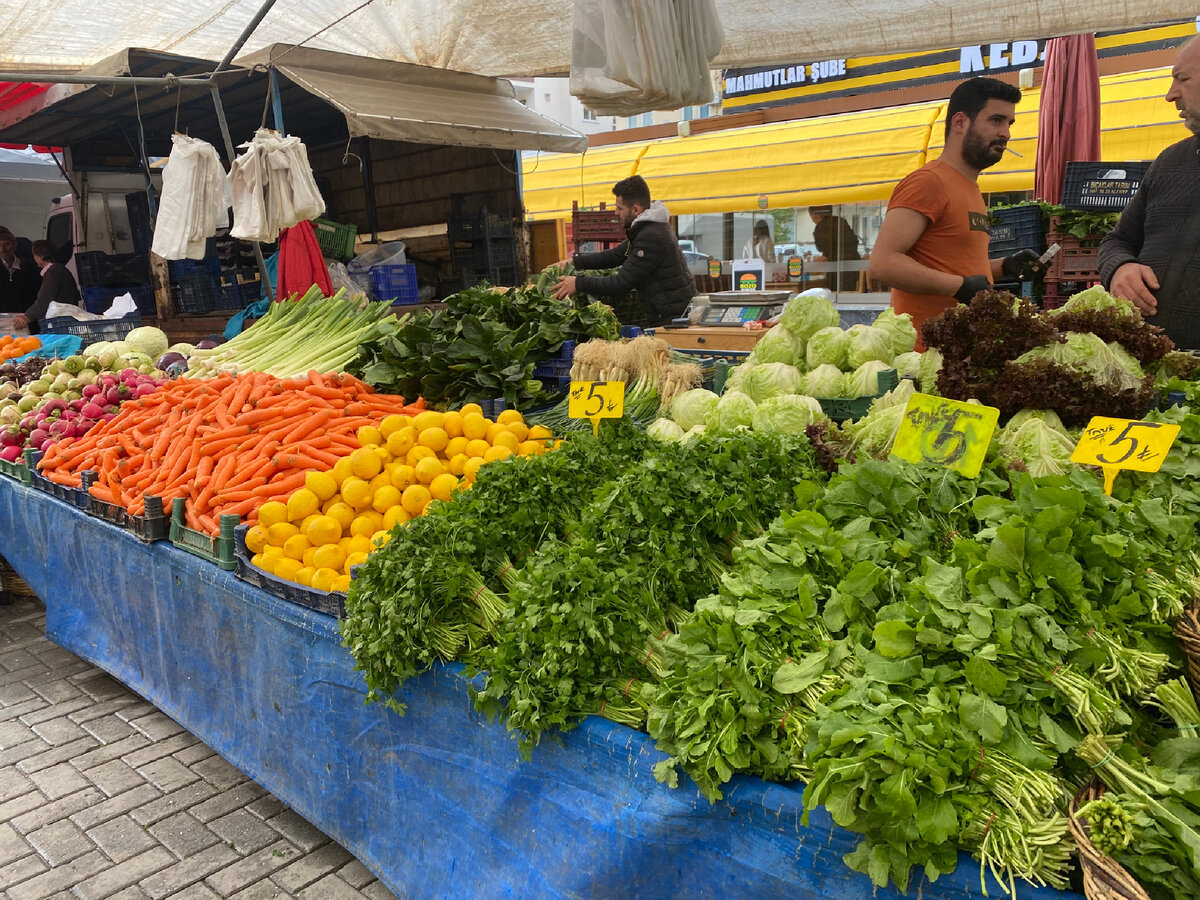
(533, 37)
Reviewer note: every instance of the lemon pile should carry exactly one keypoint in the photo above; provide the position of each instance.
(330, 525)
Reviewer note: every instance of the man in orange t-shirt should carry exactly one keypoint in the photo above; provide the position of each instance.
(932, 246)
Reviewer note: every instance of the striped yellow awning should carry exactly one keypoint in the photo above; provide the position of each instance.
(848, 158)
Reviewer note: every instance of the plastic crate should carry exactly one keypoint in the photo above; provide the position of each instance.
(332, 603)
(184, 268)
(714, 365)
(238, 295)
(1102, 185)
(840, 409)
(77, 497)
(195, 294)
(95, 329)
(218, 550)
(89, 268)
(335, 239)
(153, 526)
(601, 225)
(17, 470)
(1017, 228)
(395, 283)
(99, 299)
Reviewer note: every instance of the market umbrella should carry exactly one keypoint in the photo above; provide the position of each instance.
(1069, 117)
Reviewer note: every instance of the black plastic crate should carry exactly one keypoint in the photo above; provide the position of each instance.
(77, 497)
(93, 330)
(195, 294)
(97, 299)
(238, 295)
(89, 267)
(96, 269)
(210, 265)
(331, 604)
(153, 526)
(1102, 185)
(1017, 228)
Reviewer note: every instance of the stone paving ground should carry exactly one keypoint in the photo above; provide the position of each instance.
(104, 796)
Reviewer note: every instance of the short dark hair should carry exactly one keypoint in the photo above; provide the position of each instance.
(5, 234)
(633, 190)
(46, 250)
(820, 210)
(973, 94)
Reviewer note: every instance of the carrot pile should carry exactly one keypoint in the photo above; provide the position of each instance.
(225, 444)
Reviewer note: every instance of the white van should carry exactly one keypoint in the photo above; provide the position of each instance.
(101, 222)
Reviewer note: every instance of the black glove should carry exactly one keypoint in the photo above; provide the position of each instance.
(971, 286)
(1023, 265)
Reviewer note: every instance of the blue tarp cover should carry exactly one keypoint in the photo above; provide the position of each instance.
(437, 802)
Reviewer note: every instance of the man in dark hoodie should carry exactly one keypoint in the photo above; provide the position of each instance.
(649, 259)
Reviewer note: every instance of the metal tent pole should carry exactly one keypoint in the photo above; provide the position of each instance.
(245, 35)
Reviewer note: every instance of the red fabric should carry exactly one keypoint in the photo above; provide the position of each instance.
(14, 93)
(301, 264)
(1069, 117)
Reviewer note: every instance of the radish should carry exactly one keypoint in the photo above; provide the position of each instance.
(92, 411)
(11, 453)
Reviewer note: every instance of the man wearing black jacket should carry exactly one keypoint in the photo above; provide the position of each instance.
(19, 279)
(650, 260)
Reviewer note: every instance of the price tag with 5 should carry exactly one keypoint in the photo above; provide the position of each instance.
(596, 400)
(1115, 444)
(946, 433)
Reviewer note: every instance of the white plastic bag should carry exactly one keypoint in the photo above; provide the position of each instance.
(194, 201)
(273, 187)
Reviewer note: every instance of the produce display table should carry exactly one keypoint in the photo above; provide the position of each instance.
(437, 802)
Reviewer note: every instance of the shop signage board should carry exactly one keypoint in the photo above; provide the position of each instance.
(947, 433)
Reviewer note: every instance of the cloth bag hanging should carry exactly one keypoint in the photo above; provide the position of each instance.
(194, 202)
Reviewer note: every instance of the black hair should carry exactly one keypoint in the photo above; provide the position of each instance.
(633, 190)
(46, 250)
(821, 210)
(973, 94)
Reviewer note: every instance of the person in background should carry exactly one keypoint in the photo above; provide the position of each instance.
(58, 286)
(1152, 257)
(760, 245)
(836, 242)
(932, 248)
(650, 260)
(19, 278)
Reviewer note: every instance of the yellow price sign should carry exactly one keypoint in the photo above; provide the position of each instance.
(946, 433)
(1116, 444)
(596, 400)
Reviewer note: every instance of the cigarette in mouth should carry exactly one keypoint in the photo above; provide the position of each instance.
(1013, 152)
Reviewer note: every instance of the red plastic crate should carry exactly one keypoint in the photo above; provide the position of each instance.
(1078, 258)
(601, 225)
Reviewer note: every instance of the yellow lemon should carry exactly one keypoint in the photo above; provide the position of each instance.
(270, 556)
(397, 515)
(304, 576)
(341, 584)
(443, 486)
(415, 498)
(380, 538)
(341, 470)
(308, 520)
(506, 439)
(384, 455)
(497, 453)
(458, 464)
(322, 484)
(360, 543)
(256, 539)
(354, 559)
(519, 430)
(365, 462)
(472, 466)
(375, 516)
(323, 579)
(356, 493)
(257, 560)
(427, 419)
(329, 556)
(362, 526)
(271, 512)
(452, 424)
(308, 557)
(468, 408)
(278, 533)
(400, 442)
(434, 438)
(324, 530)
(403, 475)
(385, 498)
(530, 448)
(418, 453)
(428, 469)
(368, 435)
(455, 446)
(287, 568)
(302, 503)
(382, 480)
(294, 547)
(342, 513)
(508, 416)
(494, 431)
(474, 426)
(540, 433)
(393, 423)
(477, 448)
(557, 444)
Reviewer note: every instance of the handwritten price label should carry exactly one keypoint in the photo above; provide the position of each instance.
(596, 400)
(1116, 444)
(946, 433)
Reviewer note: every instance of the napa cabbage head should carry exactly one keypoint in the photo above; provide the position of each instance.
(1086, 352)
(787, 414)
(809, 312)
(828, 346)
(734, 410)
(147, 339)
(778, 345)
(665, 430)
(692, 408)
(900, 329)
(868, 344)
(823, 381)
(770, 380)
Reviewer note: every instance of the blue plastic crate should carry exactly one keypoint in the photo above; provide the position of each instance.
(93, 330)
(195, 294)
(1017, 228)
(238, 295)
(395, 283)
(99, 299)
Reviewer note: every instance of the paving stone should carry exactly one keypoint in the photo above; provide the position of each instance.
(298, 830)
(56, 755)
(198, 891)
(189, 756)
(267, 807)
(311, 867)
(121, 838)
(15, 692)
(377, 890)
(253, 868)
(168, 774)
(108, 729)
(123, 875)
(177, 801)
(183, 835)
(107, 708)
(16, 660)
(159, 749)
(329, 888)
(12, 845)
(219, 772)
(107, 752)
(136, 710)
(16, 710)
(59, 877)
(58, 690)
(262, 890)
(21, 869)
(13, 733)
(10, 809)
(244, 831)
(61, 808)
(60, 730)
(14, 784)
(24, 751)
(101, 686)
(114, 777)
(187, 872)
(115, 806)
(228, 801)
(60, 842)
(58, 781)
(133, 892)
(53, 656)
(356, 874)
(157, 726)
(54, 710)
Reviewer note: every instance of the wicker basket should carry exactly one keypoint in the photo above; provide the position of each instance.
(1103, 877)
(1187, 629)
(12, 583)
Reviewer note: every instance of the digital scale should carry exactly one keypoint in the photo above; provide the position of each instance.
(735, 308)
